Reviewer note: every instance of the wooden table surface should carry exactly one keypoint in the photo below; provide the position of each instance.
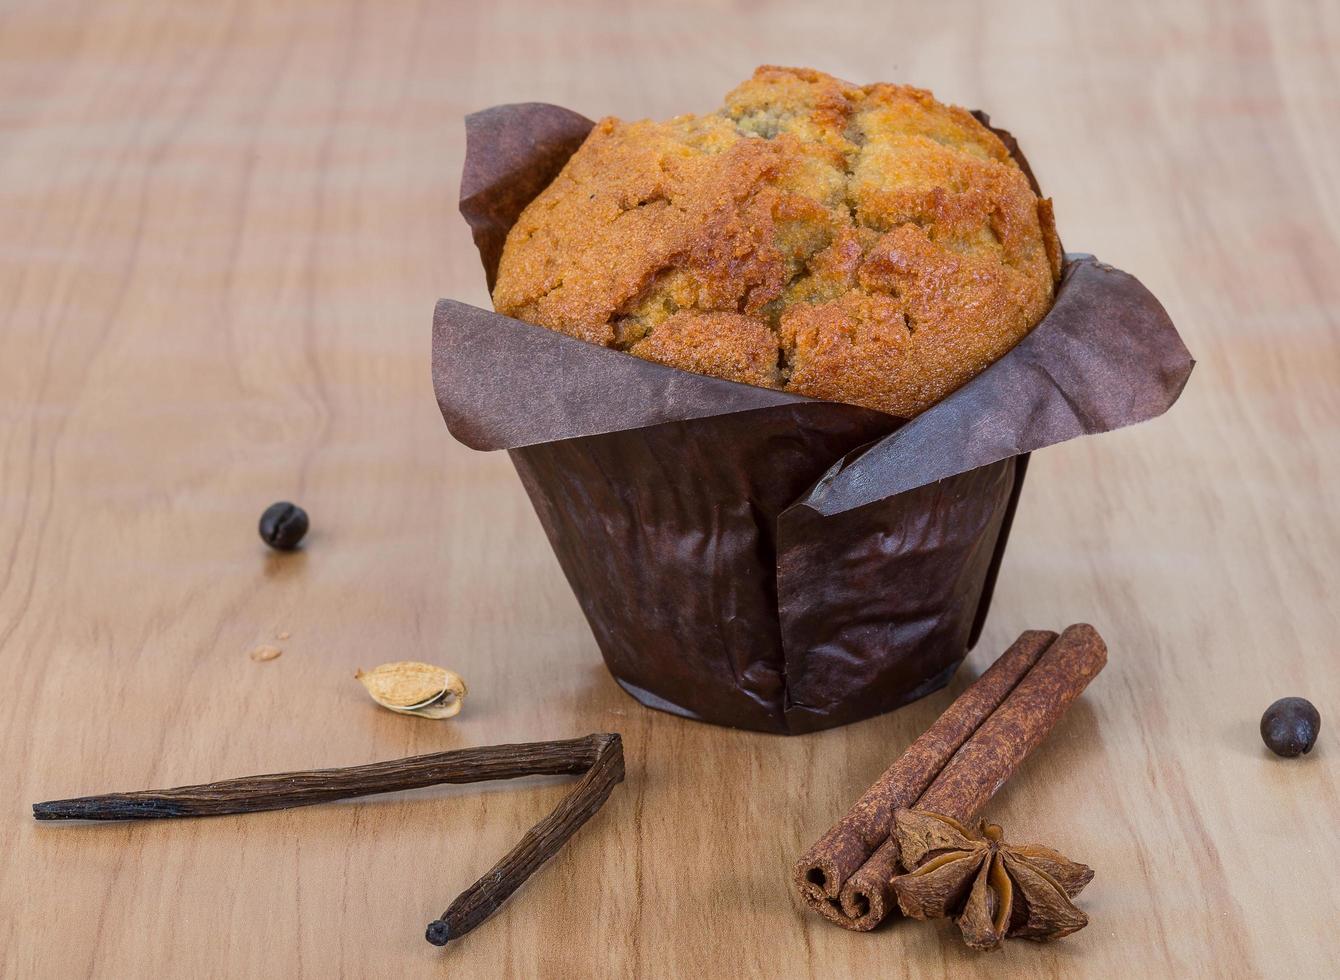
(224, 229)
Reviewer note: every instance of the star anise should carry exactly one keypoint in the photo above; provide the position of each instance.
(992, 890)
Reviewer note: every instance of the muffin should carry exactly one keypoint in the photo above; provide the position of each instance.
(746, 556)
(858, 244)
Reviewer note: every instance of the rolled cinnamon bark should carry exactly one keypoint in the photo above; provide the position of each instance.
(1005, 739)
(825, 868)
(868, 897)
(988, 758)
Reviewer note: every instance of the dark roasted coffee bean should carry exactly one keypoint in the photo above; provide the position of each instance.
(283, 525)
(1289, 727)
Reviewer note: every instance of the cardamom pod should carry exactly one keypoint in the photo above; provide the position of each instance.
(410, 688)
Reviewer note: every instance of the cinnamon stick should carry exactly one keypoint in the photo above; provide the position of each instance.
(1005, 739)
(825, 869)
(867, 898)
(986, 760)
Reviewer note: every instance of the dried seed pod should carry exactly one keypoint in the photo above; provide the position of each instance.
(410, 688)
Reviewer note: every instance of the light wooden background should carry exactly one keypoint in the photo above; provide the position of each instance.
(223, 228)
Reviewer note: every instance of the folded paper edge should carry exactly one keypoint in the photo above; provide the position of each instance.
(503, 383)
(536, 388)
(1005, 408)
(532, 141)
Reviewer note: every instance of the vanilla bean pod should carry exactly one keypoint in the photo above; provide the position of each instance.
(540, 843)
(598, 757)
(279, 791)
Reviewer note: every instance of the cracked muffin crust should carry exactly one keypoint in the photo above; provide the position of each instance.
(861, 244)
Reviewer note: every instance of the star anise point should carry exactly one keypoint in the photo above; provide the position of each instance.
(993, 890)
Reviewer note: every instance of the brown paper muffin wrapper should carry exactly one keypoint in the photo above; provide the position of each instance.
(755, 558)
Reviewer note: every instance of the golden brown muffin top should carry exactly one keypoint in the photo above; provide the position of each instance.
(862, 244)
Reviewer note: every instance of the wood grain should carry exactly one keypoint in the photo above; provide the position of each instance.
(224, 229)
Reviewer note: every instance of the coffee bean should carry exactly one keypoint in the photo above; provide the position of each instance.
(1289, 727)
(283, 525)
